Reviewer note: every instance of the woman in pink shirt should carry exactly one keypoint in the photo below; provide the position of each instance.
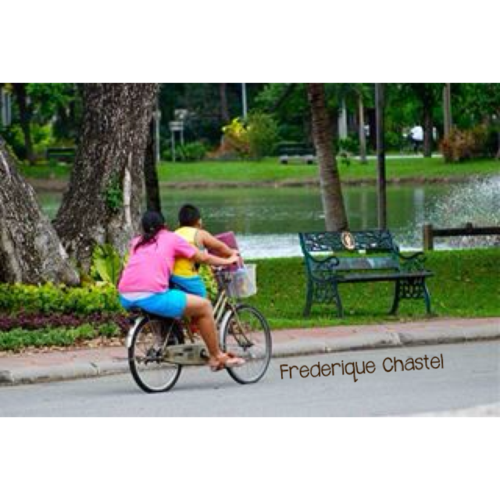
(145, 283)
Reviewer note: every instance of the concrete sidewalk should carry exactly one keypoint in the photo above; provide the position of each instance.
(81, 363)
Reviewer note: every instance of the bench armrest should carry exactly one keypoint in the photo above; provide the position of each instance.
(320, 269)
(413, 262)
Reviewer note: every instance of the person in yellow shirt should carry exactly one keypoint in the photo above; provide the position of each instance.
(185, 274)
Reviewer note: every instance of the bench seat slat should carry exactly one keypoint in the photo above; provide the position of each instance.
(346, 278)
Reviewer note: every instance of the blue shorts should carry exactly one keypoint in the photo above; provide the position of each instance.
(170, 304)
(192, 285)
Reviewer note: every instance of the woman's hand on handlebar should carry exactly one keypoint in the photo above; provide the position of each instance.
(234, 259)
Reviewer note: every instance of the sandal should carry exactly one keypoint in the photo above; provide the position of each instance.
(227, 360)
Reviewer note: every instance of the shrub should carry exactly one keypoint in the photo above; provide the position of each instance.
(262, 134)
(461, 145)
(50, 298)
(255, 138)
(349, 145)
(236, 138)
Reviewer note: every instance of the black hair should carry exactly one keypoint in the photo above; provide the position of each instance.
(152, 223)
(189, 215)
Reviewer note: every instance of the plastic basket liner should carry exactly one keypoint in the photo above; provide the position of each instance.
(243, 282)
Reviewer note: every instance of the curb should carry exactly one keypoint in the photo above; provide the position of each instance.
(302, 347)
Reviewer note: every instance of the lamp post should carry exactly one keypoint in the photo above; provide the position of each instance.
(381, 181)
(244, 100)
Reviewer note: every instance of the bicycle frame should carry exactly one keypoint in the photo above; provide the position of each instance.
(193, 352)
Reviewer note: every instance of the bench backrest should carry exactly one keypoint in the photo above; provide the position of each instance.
(355, 250)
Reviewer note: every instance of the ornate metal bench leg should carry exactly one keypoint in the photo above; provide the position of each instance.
(338, 301)
(395, 304)
(427, 298)
(309, 299)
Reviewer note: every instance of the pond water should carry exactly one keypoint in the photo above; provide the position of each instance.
(267, 220)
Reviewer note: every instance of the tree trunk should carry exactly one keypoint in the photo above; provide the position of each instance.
(331, 190)
(224, 108)
(361, 129)
(153, 200)
(104, 199)
(428, 125)
(30, 250)
(25, 119)
(447, 118)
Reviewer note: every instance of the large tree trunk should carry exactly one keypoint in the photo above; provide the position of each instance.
(224, 108)
(104, 199)
(25, 119)
(331, 190)
(30, 250)
(361, 129)
(153, 200)
(428, 125)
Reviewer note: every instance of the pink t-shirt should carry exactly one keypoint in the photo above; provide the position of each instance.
(149, 268)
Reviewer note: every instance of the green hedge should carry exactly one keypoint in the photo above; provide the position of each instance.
(51, 298)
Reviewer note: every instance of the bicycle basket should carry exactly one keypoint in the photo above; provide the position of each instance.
(243, 282)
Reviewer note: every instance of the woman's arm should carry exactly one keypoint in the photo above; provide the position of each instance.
(217, 246)
(212, 260)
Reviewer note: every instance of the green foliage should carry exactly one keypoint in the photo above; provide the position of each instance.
(106, 264)
(50, 298)
(18, 339)
(255, 138)
(113, 194)
(349, 145)
(262, 131)
(189, 152)
(393, 140)
(475, 103)
(108, 330)
(209, 281)
(41, 135)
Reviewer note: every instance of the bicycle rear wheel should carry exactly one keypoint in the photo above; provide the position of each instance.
(145, 354)
(247, 334)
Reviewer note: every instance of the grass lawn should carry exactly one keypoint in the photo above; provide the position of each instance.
(466, 284)
(269, 170)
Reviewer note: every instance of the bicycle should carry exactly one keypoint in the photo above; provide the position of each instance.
(159, 347)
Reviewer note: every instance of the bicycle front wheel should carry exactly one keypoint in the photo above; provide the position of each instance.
(146, 354)
(247, 334)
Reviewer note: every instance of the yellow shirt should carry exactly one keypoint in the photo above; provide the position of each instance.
(185, 267)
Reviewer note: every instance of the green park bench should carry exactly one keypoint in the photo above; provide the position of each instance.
(64, 155)
(332, 258)
(295, 151)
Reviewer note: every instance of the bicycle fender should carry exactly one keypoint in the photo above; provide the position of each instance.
(223, 324)
(131, 332)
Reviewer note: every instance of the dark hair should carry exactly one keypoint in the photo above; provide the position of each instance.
(189, 215)
(152, 223)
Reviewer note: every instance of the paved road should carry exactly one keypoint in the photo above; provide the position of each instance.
(470, 377)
